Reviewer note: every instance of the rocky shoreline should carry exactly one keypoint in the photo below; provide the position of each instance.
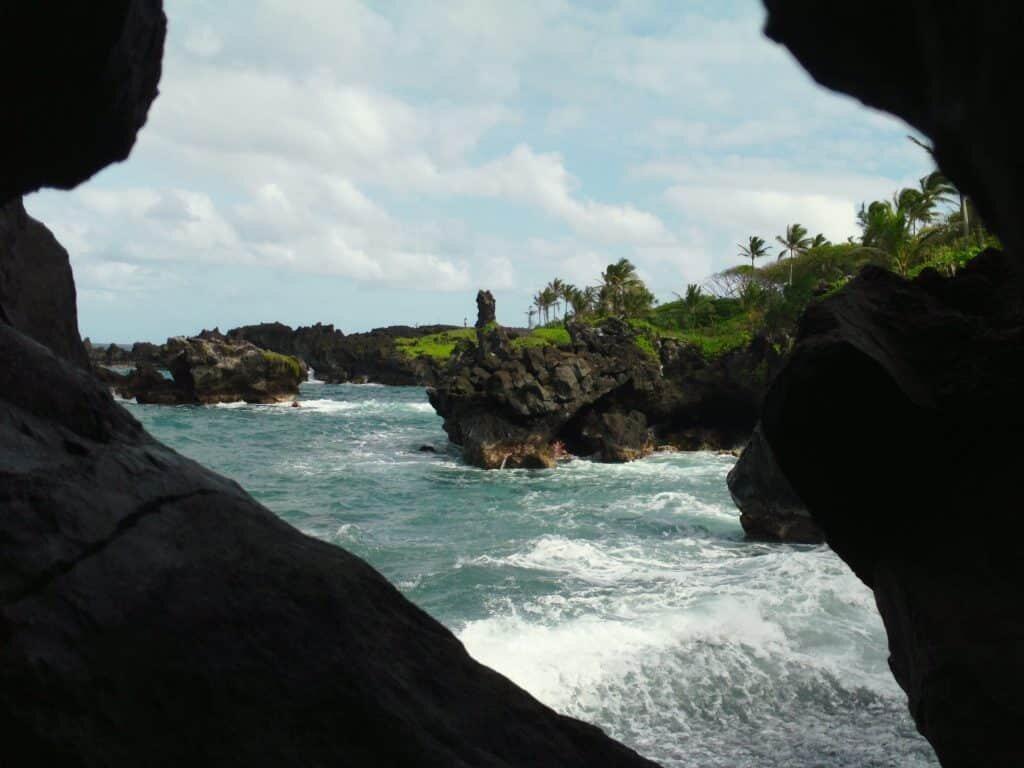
(510, 405)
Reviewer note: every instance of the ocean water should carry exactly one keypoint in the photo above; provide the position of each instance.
(621, 594)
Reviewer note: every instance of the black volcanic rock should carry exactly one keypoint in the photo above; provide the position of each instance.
(770, 509)
(485, 309)
(897, 420)
(153, 614)
(210, 368)
(37, 291)
(78, 82)
(357, 357)
(512, 405)
(896, 423)
(507, 406)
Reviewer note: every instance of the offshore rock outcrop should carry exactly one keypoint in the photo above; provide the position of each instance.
(210, 368)
(512, 405)
(508, 406)
(338, 358)
(151, 612)
(898, 418)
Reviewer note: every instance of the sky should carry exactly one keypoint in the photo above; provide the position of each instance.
(375, 163)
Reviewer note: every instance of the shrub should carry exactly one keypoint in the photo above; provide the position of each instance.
(283, 364)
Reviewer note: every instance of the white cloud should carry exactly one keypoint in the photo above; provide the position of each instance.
(765, 211)
(562, 119)
(443, 146)
(203, 42)
(543, 181)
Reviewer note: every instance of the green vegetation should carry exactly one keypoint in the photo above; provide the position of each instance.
(928, 226)
(544, 336)
(437, 345)
(283, 364)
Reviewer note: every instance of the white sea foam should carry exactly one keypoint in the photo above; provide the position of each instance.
(665, 650)
(584, 561)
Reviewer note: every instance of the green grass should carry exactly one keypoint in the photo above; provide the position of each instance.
(713, 340)
(284, 363)
(543, 337)
(437, 345)
(949, 259)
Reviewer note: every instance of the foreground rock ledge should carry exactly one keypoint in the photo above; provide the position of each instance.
(152, 613)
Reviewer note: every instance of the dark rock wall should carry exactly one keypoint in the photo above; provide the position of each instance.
(897, 418)
(77, 88)
(947, 67)
(37, 291)
(770, 509)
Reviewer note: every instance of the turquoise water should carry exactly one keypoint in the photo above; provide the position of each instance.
(621, 594)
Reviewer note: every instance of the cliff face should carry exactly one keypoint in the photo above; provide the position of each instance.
(37, 291)
(151, 612)
(897, 419)
(518, 406)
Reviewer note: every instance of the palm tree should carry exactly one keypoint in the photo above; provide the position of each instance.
(889, 232)
(583, 300)
(795, 241)
(538, 302)
(696, 304)
(819, 241)
(948, 189)
(618, 280)
(547, 301)
(557, 289)
(755, 248)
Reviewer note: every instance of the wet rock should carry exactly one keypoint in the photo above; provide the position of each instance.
(146, 385)
(770, 509)
(616, 436)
